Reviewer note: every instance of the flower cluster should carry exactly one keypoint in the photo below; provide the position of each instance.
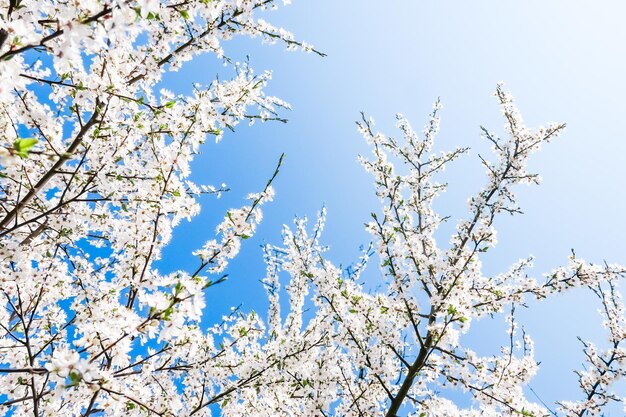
(68, 364)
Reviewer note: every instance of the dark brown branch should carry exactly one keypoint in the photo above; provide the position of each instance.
(78, 140)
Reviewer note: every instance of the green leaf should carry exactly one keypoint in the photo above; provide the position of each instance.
(23, 146)
(168, 313)
(170, 104)
(184, 14)
(74, 379)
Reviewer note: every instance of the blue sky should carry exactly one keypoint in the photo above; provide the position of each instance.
(563, 60)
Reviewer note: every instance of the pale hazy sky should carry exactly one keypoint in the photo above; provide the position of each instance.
(563, 60)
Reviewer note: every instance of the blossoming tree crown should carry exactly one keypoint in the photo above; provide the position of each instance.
(95, 175)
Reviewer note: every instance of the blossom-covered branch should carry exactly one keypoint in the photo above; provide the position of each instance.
(94, 176)
(397, 350)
